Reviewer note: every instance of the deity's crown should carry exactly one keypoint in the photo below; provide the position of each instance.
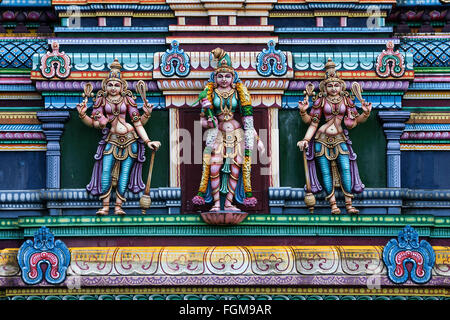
(223, 61)
(330, 75)
(330, 69)
(115, 67)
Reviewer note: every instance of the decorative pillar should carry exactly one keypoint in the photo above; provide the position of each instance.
(174, 166)
(393, 126)
(53, 126)
(274, 146)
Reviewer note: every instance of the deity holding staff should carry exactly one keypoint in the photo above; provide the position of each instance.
(327, 143)
(121, 152)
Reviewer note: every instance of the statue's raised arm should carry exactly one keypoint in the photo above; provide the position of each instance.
(121, 151)
(326, 142)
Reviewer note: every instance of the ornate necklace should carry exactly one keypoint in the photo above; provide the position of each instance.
(336, 99)
(114, 100)
(115, 104)
(224, 96)
(334, 103)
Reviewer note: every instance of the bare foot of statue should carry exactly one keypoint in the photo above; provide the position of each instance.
(216, 207)
(334, 208)
(118, 211)
(230, 207)
(103, 211)
(351, 209)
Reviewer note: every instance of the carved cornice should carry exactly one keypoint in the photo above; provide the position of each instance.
(429, 117)
(19, 118)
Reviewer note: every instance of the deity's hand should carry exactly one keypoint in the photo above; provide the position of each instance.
(213, 123)
(148, 108)
(82, 108)
(205, 103)
(366, 107)
(303, 145)
(261, 147)
(154, 145)
(303, 105)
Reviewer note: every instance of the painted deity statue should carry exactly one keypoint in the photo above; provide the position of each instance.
(328, 143)
(227, 155)
(121, 151)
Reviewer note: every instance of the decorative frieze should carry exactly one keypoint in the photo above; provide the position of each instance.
(95, 65)
(67, 102)
(21, 131)
(378, 101)
(348, 64)
(226, 265)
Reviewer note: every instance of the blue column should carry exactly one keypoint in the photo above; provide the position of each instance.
(53, 126)
(393, 126)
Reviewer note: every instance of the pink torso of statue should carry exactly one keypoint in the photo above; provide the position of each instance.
(109, 112)
(334, 113)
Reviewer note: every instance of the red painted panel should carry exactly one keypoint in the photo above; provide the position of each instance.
(191, 173)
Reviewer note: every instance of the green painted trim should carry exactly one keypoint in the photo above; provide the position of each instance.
(11, 235)
(254, 225)
(244, 231)
(256, 219)
(14, 24)
(432, 23)
(79, 221)
(425, 109)
(16, 71)
(9, 229)
(65, 94)
(9, 223)
(431, 70)
(23, 141)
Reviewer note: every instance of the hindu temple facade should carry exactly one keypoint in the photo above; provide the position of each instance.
(398, 52)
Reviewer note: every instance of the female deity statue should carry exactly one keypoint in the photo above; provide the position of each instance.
(329, 143)
(228, 151)
(120, 153)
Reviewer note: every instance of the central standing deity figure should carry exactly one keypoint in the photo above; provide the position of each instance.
(227, 156)
(120, 153)
(329, 143)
